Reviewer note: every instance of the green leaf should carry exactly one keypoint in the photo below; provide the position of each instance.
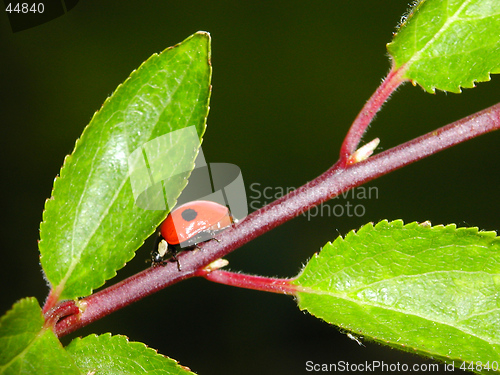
(108, 354)
(100, 211)
(26, 347)
(433, 290)
(449, 44)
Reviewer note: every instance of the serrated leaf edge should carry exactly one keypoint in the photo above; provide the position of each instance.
(69, 157)
(432, 88)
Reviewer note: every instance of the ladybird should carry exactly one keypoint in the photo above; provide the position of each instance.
(187, 226)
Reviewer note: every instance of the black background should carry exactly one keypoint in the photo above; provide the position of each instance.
(288, 79)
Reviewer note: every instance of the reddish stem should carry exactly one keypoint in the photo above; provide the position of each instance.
(372, 106)
(65, 308)
(330, 184)
(265, 284)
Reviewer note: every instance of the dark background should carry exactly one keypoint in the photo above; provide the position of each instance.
(288, 79)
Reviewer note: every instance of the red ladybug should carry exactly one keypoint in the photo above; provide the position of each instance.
(189, 225)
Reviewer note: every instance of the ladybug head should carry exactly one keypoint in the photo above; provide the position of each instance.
(160, 252)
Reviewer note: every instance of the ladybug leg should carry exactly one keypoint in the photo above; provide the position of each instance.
(213, 233)
(172, 254)
(216, 239)
(174, 257)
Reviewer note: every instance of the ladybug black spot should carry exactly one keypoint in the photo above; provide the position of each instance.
(189, 214)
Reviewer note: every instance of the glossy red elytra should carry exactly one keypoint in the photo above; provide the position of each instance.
(189, 225)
